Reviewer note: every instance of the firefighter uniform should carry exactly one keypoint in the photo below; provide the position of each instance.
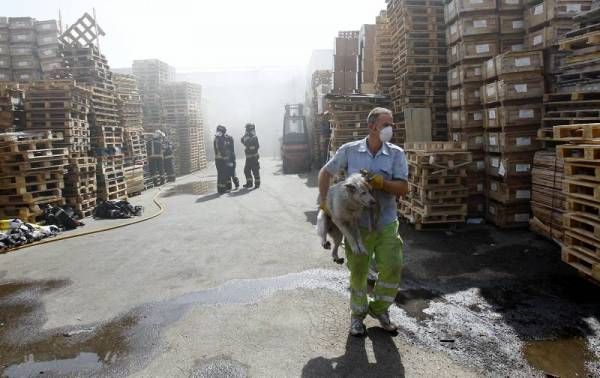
(252, 167)
(225, 160)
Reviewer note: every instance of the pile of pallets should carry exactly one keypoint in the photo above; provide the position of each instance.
(547, 197)
(476, 31)
(181, 102)
(581, 158)
(135, 147)
(320, 86)
(437, 180)
(420, 62)
(345, 60)
(512, 97)
(31, 174)
(134, 177)
(384, 55)
(63, 107)
(129, 104)
(348, 118)
(90, 67)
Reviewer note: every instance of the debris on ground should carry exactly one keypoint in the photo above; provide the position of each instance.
(117, 210)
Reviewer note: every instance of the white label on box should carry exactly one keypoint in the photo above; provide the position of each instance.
(455, 74)
(490, 90)
(523, 141)
(490, 64)
(492, 114)
(455, 116)
(520, 168)
(523, 194)
(492, 210)
(522, 62)
(518, 24)
(47, 53)
(495, 162)
(480, 23)
(22, 64)
(477, 116)
(454, 50)
(476, 94)
(539, 9)
(521, 217)
(476, 1)
(456, 137)
(518, 47)
(493, 140)
(477, 71)
(479, 140)
(21, 37)
(453, 29)
(501, 170)
(454, 95)
(526, 113)
(46, 27)
(538, 40)
(521, 88)
(47, 40)
(482, 49)
(480, 188)
(494, 186)
(511, 2)
(573, 8)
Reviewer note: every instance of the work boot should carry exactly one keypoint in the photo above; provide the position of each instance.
(236, 182)
(357, 327)
(385, 321)
(248, 185)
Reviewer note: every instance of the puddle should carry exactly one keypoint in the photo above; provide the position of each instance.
(192, 188)
(415, 301)
(25, 350)
(560, 358)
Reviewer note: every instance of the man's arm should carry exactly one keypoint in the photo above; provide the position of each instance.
(398, 188)
(324, 182)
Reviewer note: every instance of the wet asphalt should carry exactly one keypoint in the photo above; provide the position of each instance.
(237, 285)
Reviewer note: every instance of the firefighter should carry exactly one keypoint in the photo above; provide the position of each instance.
(252, 167)
(225, 160)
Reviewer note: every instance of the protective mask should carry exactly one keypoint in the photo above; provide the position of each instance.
(386, 134)
(219, 134)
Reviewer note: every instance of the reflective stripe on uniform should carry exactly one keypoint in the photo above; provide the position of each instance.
(251, 156)
(385, 298)
(359, 309)
(386, 285)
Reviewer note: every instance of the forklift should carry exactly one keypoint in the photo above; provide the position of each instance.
(295, 147)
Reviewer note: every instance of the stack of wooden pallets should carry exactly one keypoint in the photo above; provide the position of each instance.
(181, 103)
(437, 179)
(134, 177)
(547, 197)
(581, 158)
(575, 96)
(90, 67)
(31, 174)
(320, 85)
(420, 62)
(63, 107)
(512, 97)
(348, 118)
(384, 55)
(131, 119)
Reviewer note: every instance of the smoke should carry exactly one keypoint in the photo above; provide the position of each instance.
(259, 96)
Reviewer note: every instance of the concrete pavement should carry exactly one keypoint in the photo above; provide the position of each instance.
(238, 285)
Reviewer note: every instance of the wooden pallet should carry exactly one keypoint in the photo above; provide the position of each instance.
(579, 153)
(580, 133)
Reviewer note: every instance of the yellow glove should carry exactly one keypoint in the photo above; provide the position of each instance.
(376, 182)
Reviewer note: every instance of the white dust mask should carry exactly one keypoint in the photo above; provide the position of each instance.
(386, 134)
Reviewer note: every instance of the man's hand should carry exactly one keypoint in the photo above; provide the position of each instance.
(323, 206)
(376, 181)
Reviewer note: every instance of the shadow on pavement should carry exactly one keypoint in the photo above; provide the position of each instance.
(209, 197)
(239, 192)
(355, 362)
(311, 217)
(311, 179)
